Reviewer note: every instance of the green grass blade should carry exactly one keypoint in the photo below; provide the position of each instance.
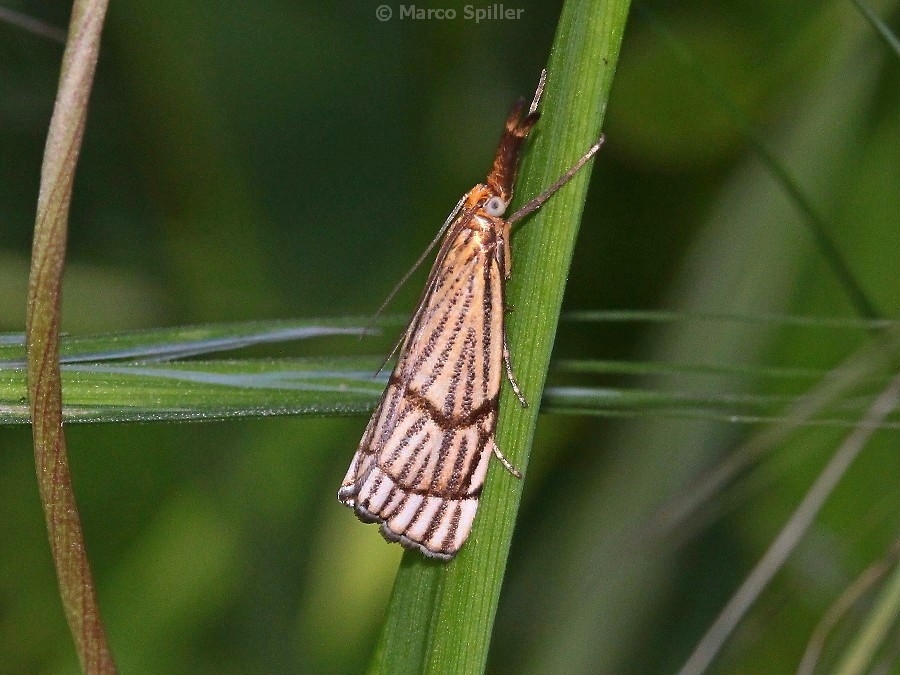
(209, 390)
(878, 25)
(163, 344)
(440, 616)
(141, 376)
(862, 652)
(204, 390)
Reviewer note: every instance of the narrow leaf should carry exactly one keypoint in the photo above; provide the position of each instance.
(440, 616)
(42, 331)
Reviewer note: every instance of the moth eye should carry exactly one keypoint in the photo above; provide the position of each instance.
(495, 206)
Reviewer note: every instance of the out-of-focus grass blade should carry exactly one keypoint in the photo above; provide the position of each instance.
(819, 227)
(786, 321)
(32, 25)
(862, 653)
(604, 367)
(722, 406)
(880, 26)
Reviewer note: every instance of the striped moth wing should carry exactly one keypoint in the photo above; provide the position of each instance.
(422, 460)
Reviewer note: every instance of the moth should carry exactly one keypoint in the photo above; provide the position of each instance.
(422, 460)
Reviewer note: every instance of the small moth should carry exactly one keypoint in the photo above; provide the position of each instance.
(422, 460)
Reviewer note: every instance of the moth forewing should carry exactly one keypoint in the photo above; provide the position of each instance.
(422, 460)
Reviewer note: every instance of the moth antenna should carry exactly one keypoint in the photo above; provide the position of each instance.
(538, 201)
(539, 92)
(367, 330)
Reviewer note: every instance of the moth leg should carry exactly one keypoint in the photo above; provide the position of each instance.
(504, 261)
(505, 462)
(507, 256)
(511, 377)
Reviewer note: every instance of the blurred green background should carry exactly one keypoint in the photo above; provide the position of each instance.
(267, 160)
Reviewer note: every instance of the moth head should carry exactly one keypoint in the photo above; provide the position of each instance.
(495, 206)
(502, 177)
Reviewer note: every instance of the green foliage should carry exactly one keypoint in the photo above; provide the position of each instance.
(247, 162)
